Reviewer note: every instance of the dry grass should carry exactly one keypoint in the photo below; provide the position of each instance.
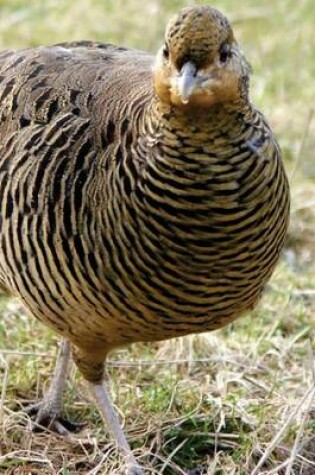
(235, 402)
(227, 400)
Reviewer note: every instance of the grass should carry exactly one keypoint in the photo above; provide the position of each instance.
(234, 402)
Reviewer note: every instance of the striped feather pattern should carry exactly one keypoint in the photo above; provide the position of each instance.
(124, 218)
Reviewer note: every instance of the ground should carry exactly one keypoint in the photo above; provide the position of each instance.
(238, 401)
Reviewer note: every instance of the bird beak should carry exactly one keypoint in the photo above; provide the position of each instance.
(187, 81)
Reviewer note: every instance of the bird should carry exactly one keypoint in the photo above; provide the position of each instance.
(143, 197)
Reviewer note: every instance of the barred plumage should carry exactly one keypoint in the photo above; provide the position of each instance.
(131, 209)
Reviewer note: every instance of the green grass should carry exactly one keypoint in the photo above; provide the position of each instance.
(209, 404)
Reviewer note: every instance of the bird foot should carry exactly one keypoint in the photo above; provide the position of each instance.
(131, 465)
(133, 469)
(51, 419)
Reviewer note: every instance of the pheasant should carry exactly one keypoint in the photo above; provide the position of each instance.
(142, 198)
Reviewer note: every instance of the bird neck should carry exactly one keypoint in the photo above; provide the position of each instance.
(190, 118)
(182, 132)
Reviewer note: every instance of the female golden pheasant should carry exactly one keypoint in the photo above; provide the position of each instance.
(141, 198)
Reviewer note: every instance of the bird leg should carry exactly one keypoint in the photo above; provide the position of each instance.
(92, 367)
(49, 410)
(104, 403)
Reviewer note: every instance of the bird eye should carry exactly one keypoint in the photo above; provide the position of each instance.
(166, 51)
(225, 53)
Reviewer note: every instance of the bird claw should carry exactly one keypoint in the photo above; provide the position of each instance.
(59, 425)
(51, 420)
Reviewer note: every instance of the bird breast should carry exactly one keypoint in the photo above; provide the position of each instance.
(198, 235)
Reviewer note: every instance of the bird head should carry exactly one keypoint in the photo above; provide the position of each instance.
(200, 63)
